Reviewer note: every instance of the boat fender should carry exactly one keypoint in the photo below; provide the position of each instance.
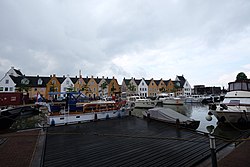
(212, 107)
(53, 122)
(119, 115)
(177, 123)
(107, 116)
(223, 106)
(209, 117)
(241, 121)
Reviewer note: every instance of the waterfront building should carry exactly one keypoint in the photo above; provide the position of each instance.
(102, 87)
(152, 88)
(114, 88)
(161, 86)
(143, 88)
(129, 86)
(53, 85)
(79, 84)
(170, 87)
(6, 83)
(183, 86)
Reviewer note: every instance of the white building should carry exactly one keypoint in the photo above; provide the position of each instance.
(6, 83)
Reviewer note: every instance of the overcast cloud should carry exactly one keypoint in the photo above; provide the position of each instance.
(207, 41)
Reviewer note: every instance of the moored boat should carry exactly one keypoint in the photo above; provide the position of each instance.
(170, 116)
(166, 99)
(194, 99)
(90, 111)
(235, 107)
(140, 102)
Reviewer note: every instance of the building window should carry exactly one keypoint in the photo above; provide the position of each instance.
(11, 89)
(6, 89)
(40, 81)
(53, 82)
(1, 89)
(6, 81)
(67, 82)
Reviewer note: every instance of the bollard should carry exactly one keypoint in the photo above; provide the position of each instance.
(213, 150)
(177, 123)
(95, 119)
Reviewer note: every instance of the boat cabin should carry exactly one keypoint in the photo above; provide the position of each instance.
(239, 86)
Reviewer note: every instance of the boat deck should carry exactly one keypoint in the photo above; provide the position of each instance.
(129, 141)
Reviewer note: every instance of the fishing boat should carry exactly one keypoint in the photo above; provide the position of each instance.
(235, 108)
(171, 116)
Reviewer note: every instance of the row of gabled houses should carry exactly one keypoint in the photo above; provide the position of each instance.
(15, 81)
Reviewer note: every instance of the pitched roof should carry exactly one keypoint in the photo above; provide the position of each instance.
(137, 81)
(33, 80)
(166, 81)
(182, 80)
(147, 81)
(126, 81)
(18, 72)
(157, 82)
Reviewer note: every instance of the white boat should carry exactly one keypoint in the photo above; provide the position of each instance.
(88, 112)
(140, 102)
(166, 99)
(235, 107)
(194, 99)
(171, 116)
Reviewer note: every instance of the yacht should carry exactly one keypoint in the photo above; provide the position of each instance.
(235, 107)
(169, 99)
(137, 101)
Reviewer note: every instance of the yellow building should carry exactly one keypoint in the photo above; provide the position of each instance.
(53, 85)
(152, 88)
(113, 87)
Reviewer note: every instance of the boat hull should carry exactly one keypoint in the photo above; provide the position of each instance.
(71, 118)
(234, 114)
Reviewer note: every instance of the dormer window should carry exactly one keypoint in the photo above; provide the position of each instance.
(40, 81)
(25, 81)
(6, 81)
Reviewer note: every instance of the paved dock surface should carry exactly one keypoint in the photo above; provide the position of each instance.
(239, 157)
(17, 149)
(124, 142)
(129, 141)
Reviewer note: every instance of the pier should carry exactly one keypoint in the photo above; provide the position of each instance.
(128, 141)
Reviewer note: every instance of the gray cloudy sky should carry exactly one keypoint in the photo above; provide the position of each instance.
(207, 41)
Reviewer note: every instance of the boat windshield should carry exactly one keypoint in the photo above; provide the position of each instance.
(244, 86)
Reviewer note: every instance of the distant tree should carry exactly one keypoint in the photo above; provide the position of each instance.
(103, 87)
(132, 87)
(112, 88)
(241, 76)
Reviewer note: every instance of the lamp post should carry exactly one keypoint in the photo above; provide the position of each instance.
(213, 150)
